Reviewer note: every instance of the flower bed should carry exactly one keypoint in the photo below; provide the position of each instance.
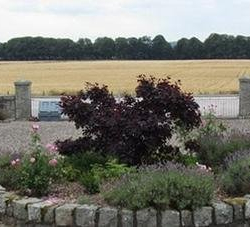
(167, 194)
(36, 212)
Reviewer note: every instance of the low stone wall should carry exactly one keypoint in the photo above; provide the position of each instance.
(18, 106)
(33, 212)
(7, 105)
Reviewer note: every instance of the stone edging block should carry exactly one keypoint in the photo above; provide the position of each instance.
(64, 215)
(20, 207)
(223, 213)
(35, 212)
(85, 215)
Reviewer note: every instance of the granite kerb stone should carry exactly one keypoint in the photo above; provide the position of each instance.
(36, 212)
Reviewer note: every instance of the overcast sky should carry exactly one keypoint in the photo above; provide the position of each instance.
(113, 18)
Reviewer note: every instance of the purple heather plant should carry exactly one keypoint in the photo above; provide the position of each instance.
(236, 156)
(168, 185)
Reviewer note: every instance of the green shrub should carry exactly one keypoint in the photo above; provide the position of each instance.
(91, 182)
(235, 179)
(83, 200)
(111, 169)
(187, 159)
(213, 143)
(36, 176)
(175, 187)
(93, 179)
(70, 173)
(91, 169)
(84, 161)
(207, 141)
(39, 168)
(5, 161)
(9, 175)
(211, 125)
(213, 150)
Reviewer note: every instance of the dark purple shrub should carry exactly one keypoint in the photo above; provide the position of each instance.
(135, 129)
(70, 146)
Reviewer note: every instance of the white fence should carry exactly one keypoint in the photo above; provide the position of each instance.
(35, 104)
(225, 106)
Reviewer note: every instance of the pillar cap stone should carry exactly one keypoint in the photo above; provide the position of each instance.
(22, 83)
(244, 78)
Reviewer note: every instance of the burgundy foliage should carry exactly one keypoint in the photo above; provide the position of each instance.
(135, 129)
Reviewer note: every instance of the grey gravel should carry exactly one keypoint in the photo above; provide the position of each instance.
(3, 225)
(239, 125)
(15, 136)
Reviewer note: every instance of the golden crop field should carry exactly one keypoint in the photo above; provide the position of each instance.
(48, 77)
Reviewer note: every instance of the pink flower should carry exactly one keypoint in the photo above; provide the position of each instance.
(32, 160)
(35, 127)
(51, 200)
(53, 162)
(13, 162)
(203, 123)
(51, 147)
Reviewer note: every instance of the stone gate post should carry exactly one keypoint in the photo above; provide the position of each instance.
(244, 96)
(23, 99)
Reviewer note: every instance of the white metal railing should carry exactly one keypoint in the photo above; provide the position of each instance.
(225, 106)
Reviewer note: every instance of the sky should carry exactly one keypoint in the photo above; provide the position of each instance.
(75, 19)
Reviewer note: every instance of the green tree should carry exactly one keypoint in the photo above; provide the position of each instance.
(133, 47)
(240, 47)
(66, 49)
(85, 49)
(1, 51)
(121, 48)
(144, 46)
(104, 48)
(189, 49)
(161, 49)
(195, 48)
(182, 49)
(219, 46)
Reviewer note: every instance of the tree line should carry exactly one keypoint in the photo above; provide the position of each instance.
(216, 46)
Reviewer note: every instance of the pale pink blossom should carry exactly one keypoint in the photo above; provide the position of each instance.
(51, 147)
(35, 127)
(13, 162)
(203, 123)
(53, 162)
(32, 159)
(52, 200)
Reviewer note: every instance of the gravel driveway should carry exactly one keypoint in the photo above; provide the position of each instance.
(15, 136)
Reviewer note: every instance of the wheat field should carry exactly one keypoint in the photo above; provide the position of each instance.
(51, 77)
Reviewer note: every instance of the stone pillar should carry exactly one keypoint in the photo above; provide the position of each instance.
(244, 96)
(23, 99)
